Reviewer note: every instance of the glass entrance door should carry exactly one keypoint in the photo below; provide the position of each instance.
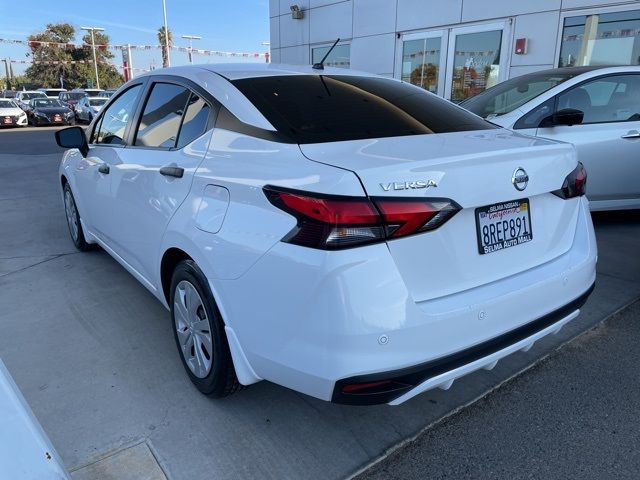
(476, 60)
(422, 60)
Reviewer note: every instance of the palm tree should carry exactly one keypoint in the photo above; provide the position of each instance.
(163, 43)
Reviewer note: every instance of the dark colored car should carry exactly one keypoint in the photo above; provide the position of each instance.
(71, 99)
(8, 94)
(46, 111)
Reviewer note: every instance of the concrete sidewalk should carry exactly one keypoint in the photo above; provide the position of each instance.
(574, 415)
(93, 353)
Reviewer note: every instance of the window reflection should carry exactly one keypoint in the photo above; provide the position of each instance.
(421, 62)
(601, 39)
(340, 56)
(476, 64)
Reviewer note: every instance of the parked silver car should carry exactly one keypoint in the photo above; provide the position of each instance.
(595, 108)
(88, 107)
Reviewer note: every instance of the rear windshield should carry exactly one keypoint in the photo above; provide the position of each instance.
(329, 108)
(77, 95)
(96, 102)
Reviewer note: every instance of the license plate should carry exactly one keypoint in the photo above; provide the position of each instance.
(7, 121)
(503, 225)
(57, 118)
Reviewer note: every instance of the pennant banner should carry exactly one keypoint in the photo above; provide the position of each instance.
(84, 46)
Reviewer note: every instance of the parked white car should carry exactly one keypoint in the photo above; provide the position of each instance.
(88, 107)
(348, 236)
(23, 99)
(595, 108)
(11, 115)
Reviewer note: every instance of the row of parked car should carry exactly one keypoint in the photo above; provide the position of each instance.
(50, 106)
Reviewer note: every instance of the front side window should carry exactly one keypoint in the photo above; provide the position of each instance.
(615, 98)
(329, 108)
(114, 121)
(511, 94)
(601, 39)
(160, 122)
(340, 56)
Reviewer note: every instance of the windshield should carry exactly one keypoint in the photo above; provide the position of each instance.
(330, 108)
(30, 95)
(7, 104)
(46, 103)
(53, 93)
(76, 95)
(511, 94)
(97, 102)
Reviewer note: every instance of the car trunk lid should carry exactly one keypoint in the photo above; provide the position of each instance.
(474, 169)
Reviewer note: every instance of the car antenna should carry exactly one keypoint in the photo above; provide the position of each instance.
(320, 65)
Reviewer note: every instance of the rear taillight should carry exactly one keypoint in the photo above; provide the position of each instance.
(575, 185)
(332, 222)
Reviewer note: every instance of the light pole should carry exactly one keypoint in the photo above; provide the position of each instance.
(93, 47)
(166, 32)
(191, 38)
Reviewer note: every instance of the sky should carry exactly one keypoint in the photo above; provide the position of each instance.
(227, 25)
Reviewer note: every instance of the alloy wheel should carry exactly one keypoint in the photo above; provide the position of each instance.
(193, 328)
(72, 215)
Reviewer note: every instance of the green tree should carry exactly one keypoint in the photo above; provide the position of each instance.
(161, 39)
(75, 76)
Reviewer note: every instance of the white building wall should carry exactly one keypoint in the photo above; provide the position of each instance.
(371, 27)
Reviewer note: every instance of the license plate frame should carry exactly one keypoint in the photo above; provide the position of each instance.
(497, 241)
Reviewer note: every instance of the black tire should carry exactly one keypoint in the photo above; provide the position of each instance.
(221, 379)
(78, 239)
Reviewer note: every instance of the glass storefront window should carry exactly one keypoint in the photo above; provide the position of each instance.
(421, 62)
(339, 57)
(476, 63)
(601, 39)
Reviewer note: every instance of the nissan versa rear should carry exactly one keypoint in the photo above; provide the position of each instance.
(348, 236)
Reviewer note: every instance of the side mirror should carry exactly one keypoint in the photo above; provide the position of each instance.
(73, 137)
(566, 116)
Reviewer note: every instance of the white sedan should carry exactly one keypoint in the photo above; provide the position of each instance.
(11, 115)
(595, 108)
(345, 235)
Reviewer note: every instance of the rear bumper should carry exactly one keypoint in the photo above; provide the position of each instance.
(408, 382)
(325, 318)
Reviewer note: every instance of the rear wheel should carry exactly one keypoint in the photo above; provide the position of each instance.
(73, 220)
(199, 332)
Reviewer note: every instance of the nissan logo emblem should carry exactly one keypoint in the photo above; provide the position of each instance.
(520, 179)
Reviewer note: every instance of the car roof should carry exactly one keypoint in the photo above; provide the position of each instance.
(580, 70)
(236, 71)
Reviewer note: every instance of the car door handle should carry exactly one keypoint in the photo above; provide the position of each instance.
(104, 168)
(631, 134)
(177, 172)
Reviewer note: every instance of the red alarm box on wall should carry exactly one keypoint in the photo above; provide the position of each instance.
(521, 46)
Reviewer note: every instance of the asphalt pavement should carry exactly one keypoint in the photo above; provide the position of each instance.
(93, 353)
(572, 416)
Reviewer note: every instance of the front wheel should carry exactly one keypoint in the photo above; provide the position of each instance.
(199, 332)
(73, 220)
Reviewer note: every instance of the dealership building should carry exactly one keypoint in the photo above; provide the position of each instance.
(455, 48)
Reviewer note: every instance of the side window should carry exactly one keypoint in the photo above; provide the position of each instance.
(195, 120)
(163, 111)
(609, 99)
(114, 121)
(535, 116)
